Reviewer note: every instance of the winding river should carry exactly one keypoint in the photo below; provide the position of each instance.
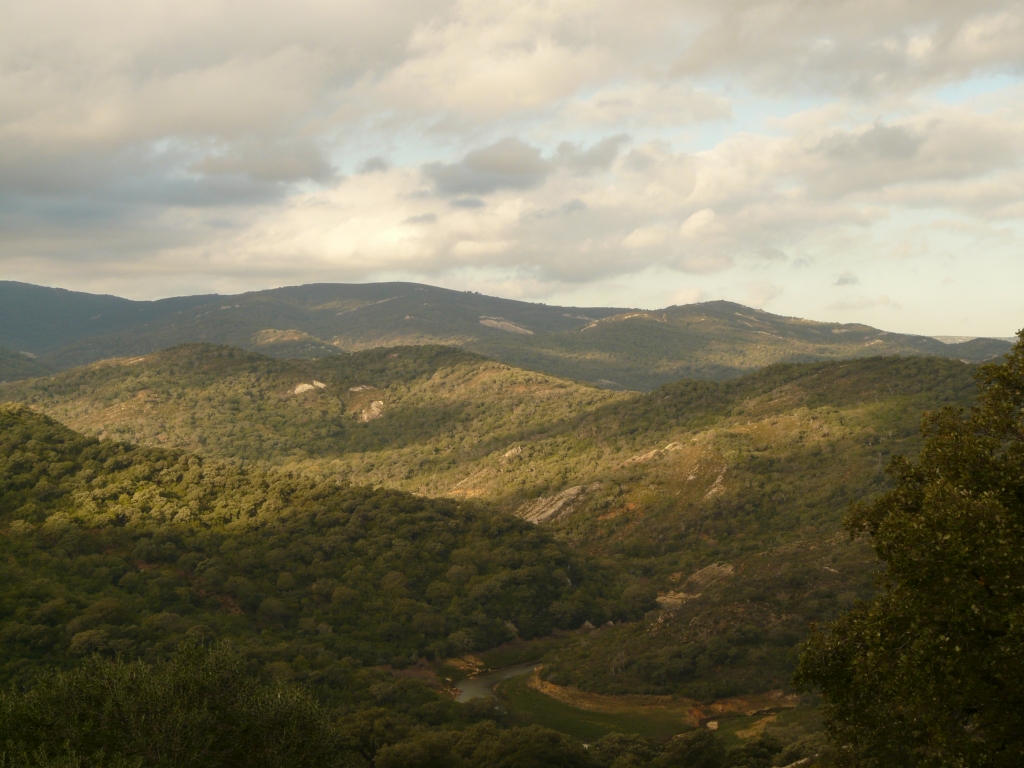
(482, 686)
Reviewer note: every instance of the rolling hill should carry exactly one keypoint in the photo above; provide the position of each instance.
(616, 348)
(112, 548)
(722, 499)
(15, 366)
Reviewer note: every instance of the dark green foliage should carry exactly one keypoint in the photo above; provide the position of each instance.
(616, 347)
(227, 402)
(697, 749)
(735, 637)
(930, 672)
(620, 750)
(204, 708)
(112, 549)
(15, 366)
(201, 708)
(774, 519)
(487, 746)
(40, 319)
(18, 756)
(117, 549)
(758, 753)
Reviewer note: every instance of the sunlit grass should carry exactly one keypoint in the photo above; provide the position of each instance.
(587, 726)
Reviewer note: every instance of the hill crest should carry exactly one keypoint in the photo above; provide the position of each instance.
(614, 347)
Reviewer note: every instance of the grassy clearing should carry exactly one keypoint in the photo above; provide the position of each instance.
(789, 724)
(584, 725)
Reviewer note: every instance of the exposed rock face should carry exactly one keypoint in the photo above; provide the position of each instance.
(300, 388)
(698, 581)
(374, 411)
(548, 508)
(709, 575)
(504, 325)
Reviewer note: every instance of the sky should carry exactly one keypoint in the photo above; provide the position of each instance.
(841, 160)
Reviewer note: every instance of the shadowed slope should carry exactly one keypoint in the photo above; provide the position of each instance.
(613, 347)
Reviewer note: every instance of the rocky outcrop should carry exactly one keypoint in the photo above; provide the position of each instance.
(548, 508)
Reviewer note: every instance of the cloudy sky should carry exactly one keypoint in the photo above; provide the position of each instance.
(854, 160)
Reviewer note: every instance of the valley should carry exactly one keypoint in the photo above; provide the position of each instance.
(375, 524)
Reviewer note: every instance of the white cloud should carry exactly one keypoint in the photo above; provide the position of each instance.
(688, 296)
(700, 224)
(864, 302)
(545, 146)
(645, 237)
(761, 293)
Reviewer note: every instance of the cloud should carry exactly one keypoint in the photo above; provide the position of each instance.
(541, 144)
(374, 165)
(862, 48)
(699, 224)
(864, 302)
(597, 157)
(422, 218)
(467, 202)
(269, 163)
(762, 292)
(640, 104)
(688, 296)
(645, 237)
(847, 278)
(506, 164)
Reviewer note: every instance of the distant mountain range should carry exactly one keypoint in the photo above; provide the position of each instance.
(613, 347)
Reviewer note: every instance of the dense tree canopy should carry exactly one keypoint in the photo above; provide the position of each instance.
(931, 672)
(113, 554)
(111, 548)
(201, 708)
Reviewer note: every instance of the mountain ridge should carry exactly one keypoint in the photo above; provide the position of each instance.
(613, 347)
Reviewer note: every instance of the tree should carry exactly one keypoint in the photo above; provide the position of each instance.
(697, 749)
(200, 709)
(931, 672)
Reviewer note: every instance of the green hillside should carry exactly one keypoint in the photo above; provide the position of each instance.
(616, 348)
(731, 500)
(673, 547)
(15, 366)
(121, 549)
(724, 498)
(438, 412)
(158, 609)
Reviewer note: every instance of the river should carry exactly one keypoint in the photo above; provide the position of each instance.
(482, 686)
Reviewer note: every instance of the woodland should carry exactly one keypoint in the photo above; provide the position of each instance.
(212, 557)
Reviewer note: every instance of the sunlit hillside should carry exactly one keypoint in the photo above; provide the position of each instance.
(725, 498)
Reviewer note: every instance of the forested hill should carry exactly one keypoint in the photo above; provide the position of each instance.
(15, 366)
(750, 476)
(431, 409)
(113, 548)
(612, 347)
(240, 496)
(439, 421)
